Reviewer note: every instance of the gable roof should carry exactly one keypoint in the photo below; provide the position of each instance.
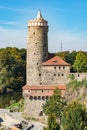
(56, 61)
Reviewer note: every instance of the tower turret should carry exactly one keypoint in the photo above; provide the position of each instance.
(37, 48)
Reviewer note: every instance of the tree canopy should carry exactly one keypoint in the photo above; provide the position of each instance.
(12, 68)
(80, 64)
(53, 109)
(74, 116)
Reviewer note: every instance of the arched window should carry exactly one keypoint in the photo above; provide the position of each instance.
(35, 97)
(31, 97)
(47, 97)
(43, 98)
(39, 97)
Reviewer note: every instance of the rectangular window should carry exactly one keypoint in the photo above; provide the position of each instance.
(59, 67)
(63, 67)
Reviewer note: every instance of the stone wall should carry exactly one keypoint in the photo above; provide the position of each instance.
(33, 108)
(37, 53)
(79, 76)
(54, 75)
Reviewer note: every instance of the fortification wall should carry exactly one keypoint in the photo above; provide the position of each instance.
(79, 76)
(33, 108)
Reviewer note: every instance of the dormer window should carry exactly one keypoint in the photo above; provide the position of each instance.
(55, 61)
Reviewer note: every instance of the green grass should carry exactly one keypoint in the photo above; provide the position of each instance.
(17, 106)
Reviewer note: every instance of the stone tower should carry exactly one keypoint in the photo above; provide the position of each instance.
(44, 74)
(37, 48)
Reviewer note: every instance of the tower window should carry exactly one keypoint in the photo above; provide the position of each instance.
(41, 113)
(62, 74)
(44, 34)
(34, 33)
(39, 74)
(54, 74)
(58, 74)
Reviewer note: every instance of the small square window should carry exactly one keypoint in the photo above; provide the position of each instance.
(63, 67)
(62, 74)
(58, 74)
(54, 67)
(39, 74)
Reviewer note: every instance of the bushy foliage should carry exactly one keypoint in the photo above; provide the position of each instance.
(80, 64)
(12, 68)
(75, 84)
(74, 116)
(77, 60)
(53, 109)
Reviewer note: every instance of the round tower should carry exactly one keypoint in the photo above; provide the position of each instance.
(37, 48)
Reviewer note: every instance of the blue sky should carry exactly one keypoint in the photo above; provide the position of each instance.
(67, 21)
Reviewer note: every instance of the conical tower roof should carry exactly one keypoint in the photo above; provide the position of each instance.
(39, 15)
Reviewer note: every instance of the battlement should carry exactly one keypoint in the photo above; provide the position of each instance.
(39, 21)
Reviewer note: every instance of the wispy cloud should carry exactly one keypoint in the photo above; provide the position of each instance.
(8, 23)
(70, 41)
(13, 38)
(17, 9)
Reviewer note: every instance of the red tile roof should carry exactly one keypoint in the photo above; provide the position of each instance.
(43, 87)
(56, 61)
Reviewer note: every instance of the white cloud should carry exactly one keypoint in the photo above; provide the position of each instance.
(70, 41)
(8, 22)
(13, 38)
(17, 9)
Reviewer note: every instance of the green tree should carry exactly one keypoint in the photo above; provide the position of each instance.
(74, 116)
(80, 64)
(53, 109)
(12, 68)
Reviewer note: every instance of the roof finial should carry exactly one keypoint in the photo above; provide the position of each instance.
(39, 15)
